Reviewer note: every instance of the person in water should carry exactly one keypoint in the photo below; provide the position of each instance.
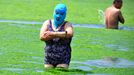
(57, 35)
(113, 15)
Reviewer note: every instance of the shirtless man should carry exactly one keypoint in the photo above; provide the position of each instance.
(57, 34)
(113, 15)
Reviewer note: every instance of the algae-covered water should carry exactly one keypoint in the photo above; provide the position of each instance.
(93, 49)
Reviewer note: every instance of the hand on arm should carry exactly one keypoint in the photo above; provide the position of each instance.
(68, 33)
(44, 33)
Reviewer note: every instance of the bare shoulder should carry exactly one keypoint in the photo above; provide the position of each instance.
(46, 22)
(118, 11)
(109, 8)
(68, 24)
(45, 25)
(69, 28)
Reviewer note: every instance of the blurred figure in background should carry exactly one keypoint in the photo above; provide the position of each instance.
(113, 15)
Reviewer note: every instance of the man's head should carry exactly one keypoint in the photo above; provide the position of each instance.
(118, 3)
(59, 14)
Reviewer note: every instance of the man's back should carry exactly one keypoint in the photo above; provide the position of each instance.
(113, 15)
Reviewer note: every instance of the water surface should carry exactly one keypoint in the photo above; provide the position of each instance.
(116, 47)
(75, 25)
(108, 62)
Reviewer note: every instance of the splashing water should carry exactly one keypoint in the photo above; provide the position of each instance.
(101, 16)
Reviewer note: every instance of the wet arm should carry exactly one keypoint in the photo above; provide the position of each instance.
(69, 30)
(43, 32)
(68, 33)
(59, 34)
(121, 18)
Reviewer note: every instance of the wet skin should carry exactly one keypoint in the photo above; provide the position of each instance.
(113, 16)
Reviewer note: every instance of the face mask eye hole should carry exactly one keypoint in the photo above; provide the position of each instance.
(56, 12)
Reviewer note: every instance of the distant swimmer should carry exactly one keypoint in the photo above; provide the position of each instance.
(113, 15)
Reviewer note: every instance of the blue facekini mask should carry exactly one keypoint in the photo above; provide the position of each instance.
(59, 15)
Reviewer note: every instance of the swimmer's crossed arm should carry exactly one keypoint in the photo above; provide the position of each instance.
(48, 35)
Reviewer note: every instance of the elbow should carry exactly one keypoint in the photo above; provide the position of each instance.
(69, 36)
(122, 22)
(42, 38)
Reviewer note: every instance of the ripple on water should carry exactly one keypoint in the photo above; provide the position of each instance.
(36, 57)
(12, 69)
(126, 28)
(98, 74)
(108, 62)
(92, 74)
(84, 68)
(38, 70)
(33, 62)
(1, 53)
(89, 25)
(17, 70)
(75, 25)
(116, 47)
(25, 26)
(21, 22)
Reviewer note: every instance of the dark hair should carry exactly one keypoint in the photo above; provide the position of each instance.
(118, 1)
